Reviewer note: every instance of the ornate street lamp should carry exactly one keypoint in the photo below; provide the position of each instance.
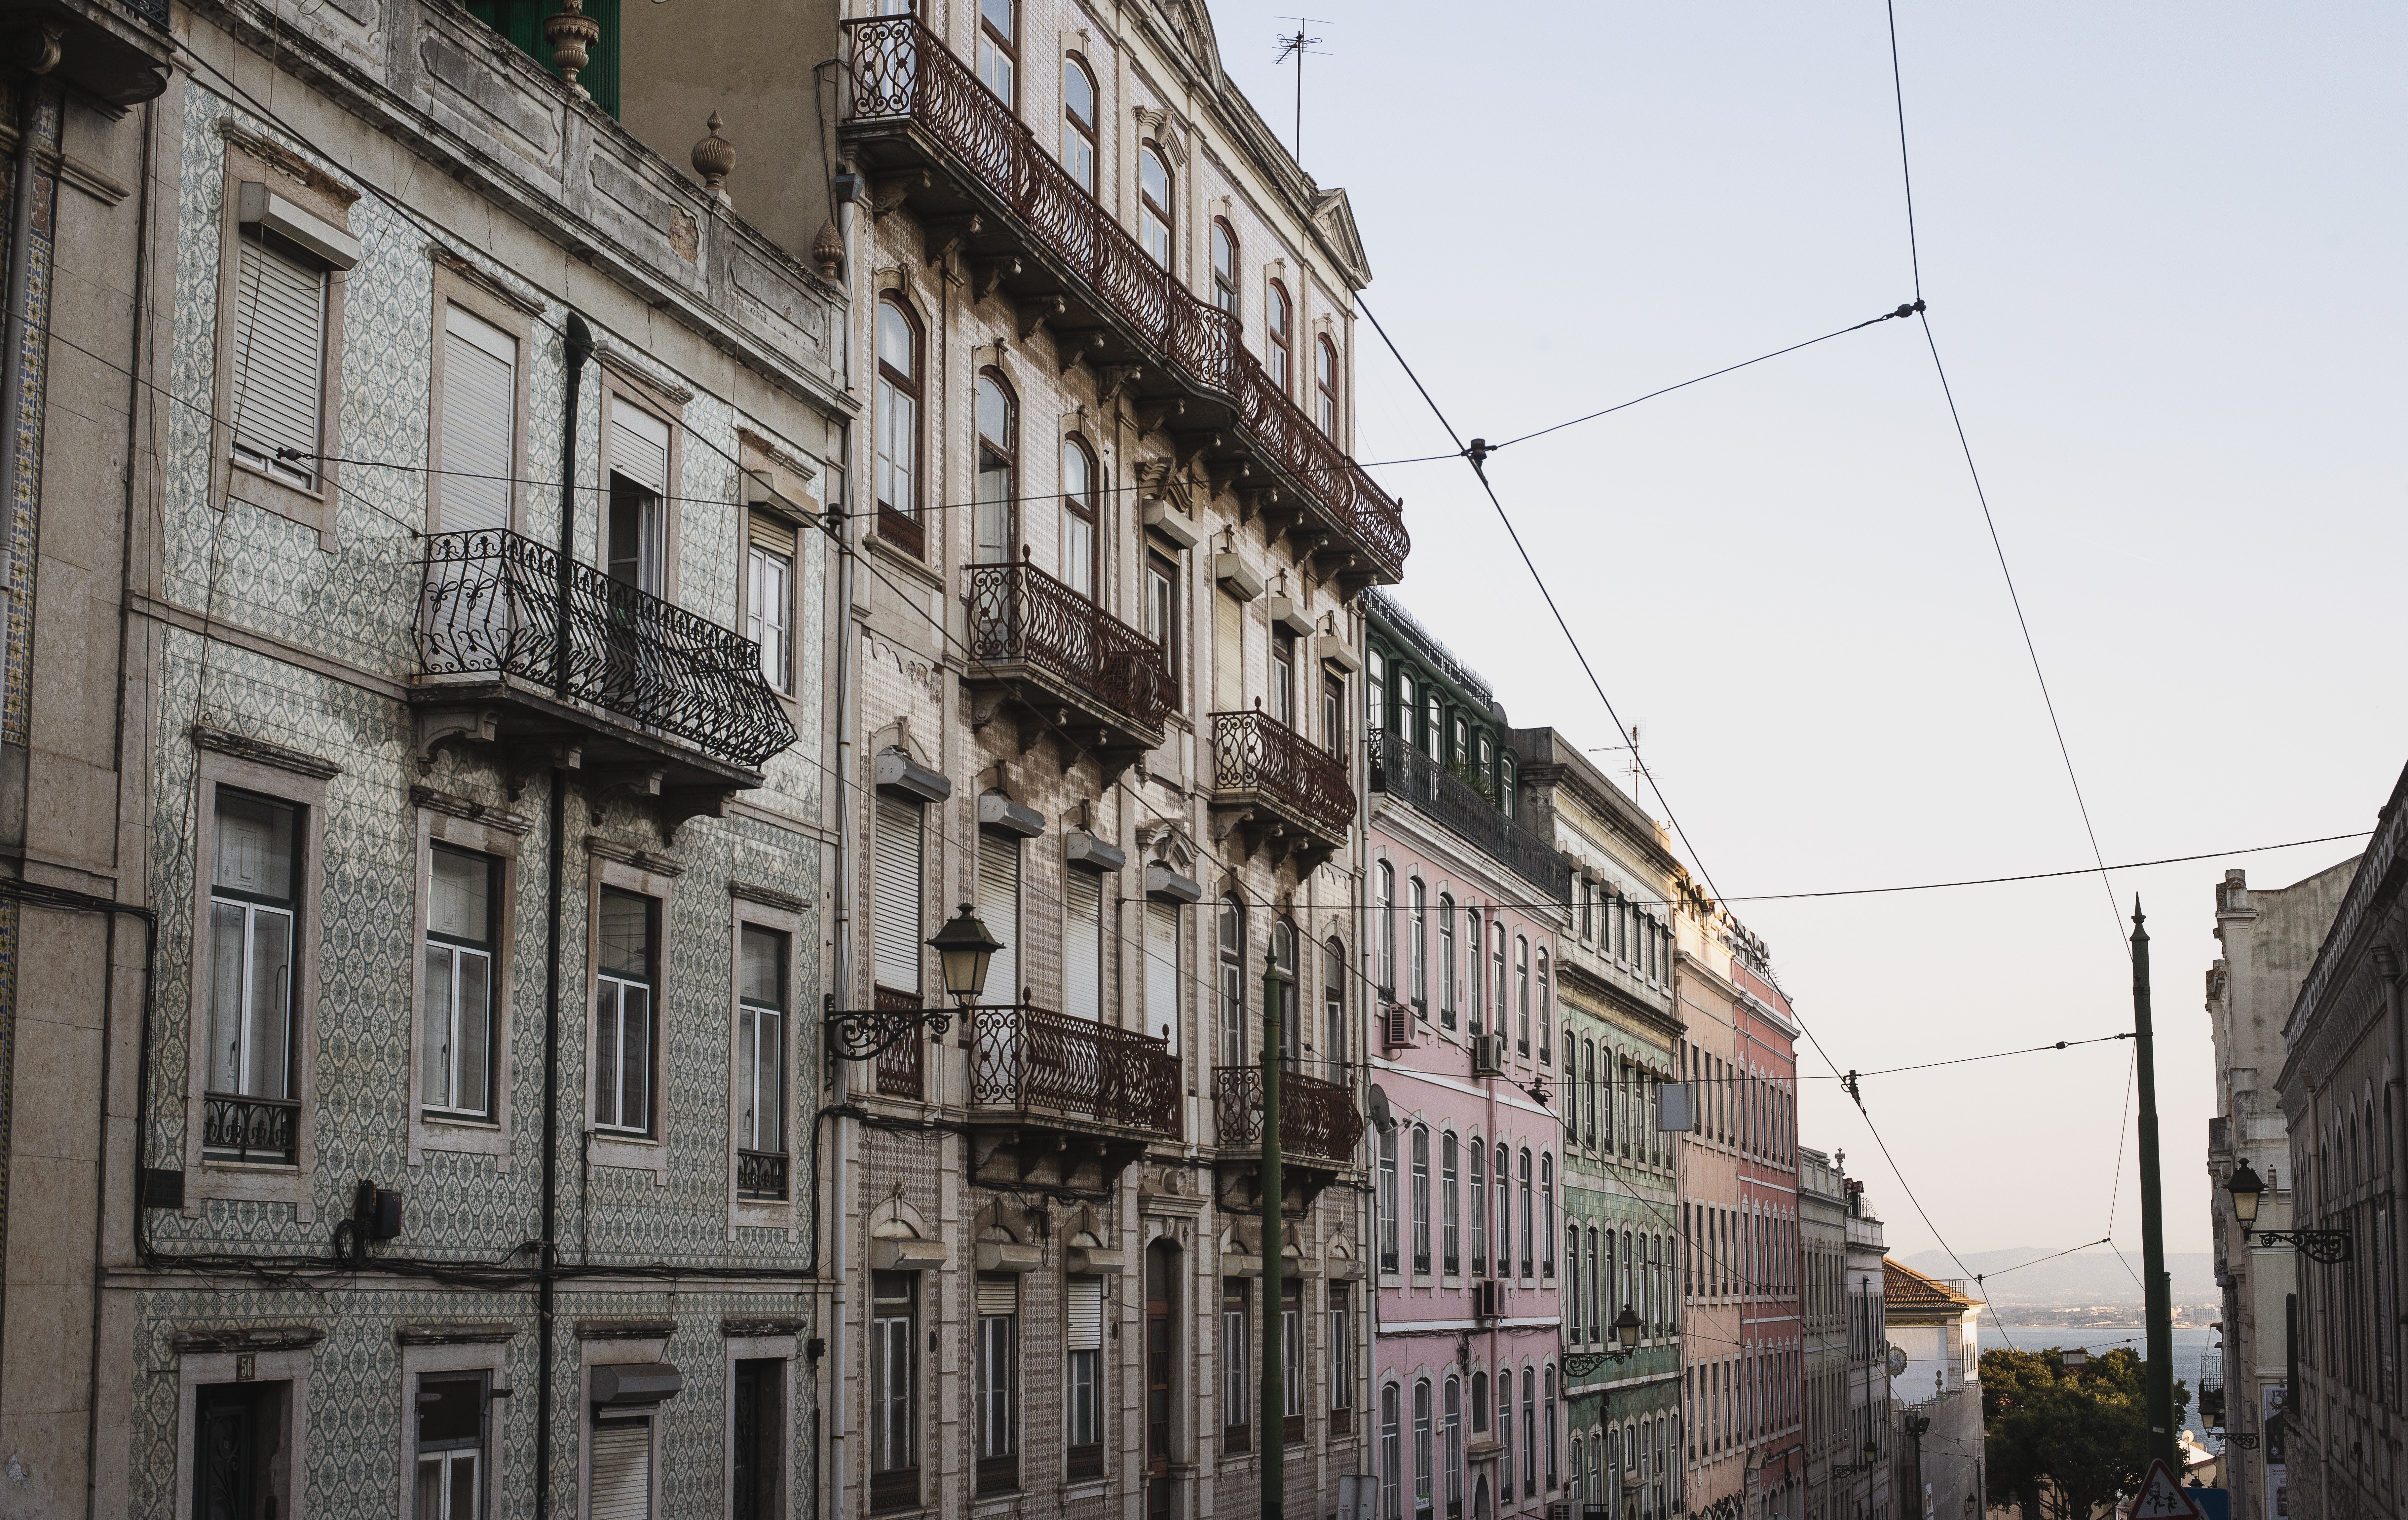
(1626, 1326)
(2328, 1246)
(964, 948)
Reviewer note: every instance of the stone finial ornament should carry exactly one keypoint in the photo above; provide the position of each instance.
(714, 158)
(572, 33)
(828, 249)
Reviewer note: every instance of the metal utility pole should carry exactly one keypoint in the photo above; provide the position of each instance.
(1296, 47)
(1274, 1426)
(2159, 1373)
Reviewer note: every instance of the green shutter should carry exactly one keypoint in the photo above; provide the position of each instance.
(521, 21)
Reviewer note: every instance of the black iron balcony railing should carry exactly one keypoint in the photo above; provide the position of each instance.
(1254, 753)
(1038, 1063)
(499, 605)
(1318, 1120)
(1020, 615)
(258, 1129)
(1401, 770)
(761, 1174)
(901, 72)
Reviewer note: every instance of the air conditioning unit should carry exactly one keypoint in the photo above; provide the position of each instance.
(1485, 1299)
(1488, 1055)
(1398, 1021)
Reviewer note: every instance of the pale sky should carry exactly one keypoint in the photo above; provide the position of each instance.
(2162, 247)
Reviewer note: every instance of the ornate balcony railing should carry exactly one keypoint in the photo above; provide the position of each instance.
(500, 605)
(259, 1129)
(1318, 1120)
(1020, 615)
(1401, 770)
(903, 72)
(1039, 1063)
(1255, 752)
(761, 1174)
(902, 1065)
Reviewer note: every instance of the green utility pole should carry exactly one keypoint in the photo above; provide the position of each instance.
(1274, 1426)
(2153, 1282)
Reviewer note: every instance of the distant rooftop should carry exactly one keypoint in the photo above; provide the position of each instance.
(1903, 1287)
(1391, 611)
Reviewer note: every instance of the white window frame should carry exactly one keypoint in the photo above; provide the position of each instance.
(431, 1350)
(615, 1353)
(785, 679)
(481, 297)
(441, 820)
(752, 905)
(612, 866)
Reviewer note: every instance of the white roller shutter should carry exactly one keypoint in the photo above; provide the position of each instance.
(1083, 944)
(895, 895)
(640, 448)
(997, 1296)
(621, 1470)
(279, 350)
(1085, 1314)
(479, 398)
(1228, 653)
(1162, 970)
(998, 909)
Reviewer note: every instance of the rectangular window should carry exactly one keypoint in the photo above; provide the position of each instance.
(1082, 944)
(770, 598)
(756, 1420)
(1228, 653)
(1283, 678)
(998, 1384)
(478, 425)
(1342, 1356)
(620, 1462)
(625, 966)
(280, 357)
(1084, 1373)
(894, 1390)
(635, 544)
(254, 903)
(451, 1447)
(998, 908)
(1161, 970)
(1333, 714)
(761, 1063)
(456, 1033)
(1162, 610)
(895, 857)
(1237, 1384)
(1292, 1359)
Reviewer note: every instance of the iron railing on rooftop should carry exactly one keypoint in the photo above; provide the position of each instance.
(1401, 770)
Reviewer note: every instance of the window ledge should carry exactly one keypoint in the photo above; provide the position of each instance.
(1088, 1489)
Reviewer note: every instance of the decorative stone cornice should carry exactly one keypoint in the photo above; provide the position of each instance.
(768, 897)
(470, 809)
(259, 752)
(454, 1332)
(247, 1337)
(628, 854)
(735, 1330)
(624, 1329)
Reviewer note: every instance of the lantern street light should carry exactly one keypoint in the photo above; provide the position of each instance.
(2328, 1246)
(1627, 1327)
(1871, 1458)
(963, 949)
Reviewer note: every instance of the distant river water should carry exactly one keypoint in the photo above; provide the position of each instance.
(2191, 1341)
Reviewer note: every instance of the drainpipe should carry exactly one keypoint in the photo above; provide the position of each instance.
(41, 53)
(842, 952)
(579, 343)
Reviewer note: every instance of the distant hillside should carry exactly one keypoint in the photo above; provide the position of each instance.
(2086, 1277)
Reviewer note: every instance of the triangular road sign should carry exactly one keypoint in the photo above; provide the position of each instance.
(2162, 1497)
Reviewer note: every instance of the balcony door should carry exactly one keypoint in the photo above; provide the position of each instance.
(634, 552)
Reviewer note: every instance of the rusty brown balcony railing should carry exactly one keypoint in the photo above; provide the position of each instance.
(1257, 757)
(761, 1174)
(902, 74)
(1021, 616)
(1318, 1120)
(1039, 1064)
(254, 1130)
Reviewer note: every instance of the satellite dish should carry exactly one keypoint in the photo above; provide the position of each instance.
(1380, 1115)
(1897, 1361)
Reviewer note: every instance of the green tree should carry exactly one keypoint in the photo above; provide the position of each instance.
(2062, 1444)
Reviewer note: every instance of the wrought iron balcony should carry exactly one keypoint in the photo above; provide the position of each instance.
(980, 179)
(515, 645)
(1035, 642)
(1051, 1070)
(761, 1174)
(265, 1131)
(1403, 771)
(1270, 779)
(1319, 1125)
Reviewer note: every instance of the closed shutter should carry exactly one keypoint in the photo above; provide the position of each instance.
(279, 357)
(895, 895)
(998, 909)
(480, 397)
(640, 448)
(621, 1470)
(1162, 971)
(997, 1296)
(773, 535)
(1083, 944)
(1085, 1314)
(1228, 653)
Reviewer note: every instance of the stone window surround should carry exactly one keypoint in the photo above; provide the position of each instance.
(195, 1371)
(289, 776)
(594, 1352)
(477, 296)
(779, 1348)
(778, 484)
(651, 878)
(325, 197)
(439, 1352)
(621, 386)
(750, 905)
(496, 835)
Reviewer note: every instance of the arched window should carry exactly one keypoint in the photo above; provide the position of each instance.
(1079, 122)
(898, 423)
(1588, 1090)
(1479, 1210)
(1496, 956)
(1530, 1251)
(1079, 539)
(1233, 982)
(998, 49)
(1424, 1458)
(1547, 1213)
(1391, 1454)
(1421, 1199)
(1284, 955)
(1386, 877)
(1596, 1315)
(1477, 982)
(1277, 316)
(1554, 1470)
(1154, 215)
(1324, 386)
(1388, 1260)
(1579, 1492)
(1529, 1433)
(1450, 1190)
(1504, 1210)
(1419, 946)
(1506, 798)
(1546, 1015)
(1505, 1434)
(1224, 267)
(1451, 1445)
(1446, 960)
(1522, 981)
(1333, 1007)
(998, 470)
(1405, 707)
(1572, 1282)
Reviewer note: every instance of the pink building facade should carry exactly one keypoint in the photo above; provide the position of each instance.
(1771, 1319)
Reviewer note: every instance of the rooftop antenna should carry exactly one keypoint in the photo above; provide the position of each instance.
(1296, 47)
(1636, 770)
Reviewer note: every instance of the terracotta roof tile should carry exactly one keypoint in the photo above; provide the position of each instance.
(1903, 1287)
